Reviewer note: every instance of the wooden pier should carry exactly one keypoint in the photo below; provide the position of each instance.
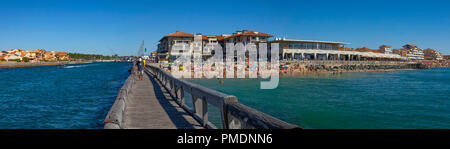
(158, 102)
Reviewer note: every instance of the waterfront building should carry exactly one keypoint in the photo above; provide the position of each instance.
(12, 57)
(62, 55)
(430, 54)
(307, 49)
(365, 49)
(401, 52)
(342, 48)
(246, 37)
(168, 41)
(289, 49)
(208, 43)
(414, 52)
(13, 54)
(446, 57)
(153, 56)
(386, 49)
(32, 55)
(165, 52)
(326, 50)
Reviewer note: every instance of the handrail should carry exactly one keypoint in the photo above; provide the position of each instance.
(234, 115)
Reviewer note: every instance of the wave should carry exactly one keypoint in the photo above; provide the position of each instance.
(78, 66)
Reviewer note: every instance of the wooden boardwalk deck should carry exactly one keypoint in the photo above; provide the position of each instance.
(151, 107)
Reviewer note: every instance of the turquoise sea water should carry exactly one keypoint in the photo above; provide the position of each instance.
(410, 99)
(78, 96)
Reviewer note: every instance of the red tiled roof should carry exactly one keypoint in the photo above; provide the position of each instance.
(219, 37)
(178, 34)
(250, 33)
(364, 49)
(411, 45)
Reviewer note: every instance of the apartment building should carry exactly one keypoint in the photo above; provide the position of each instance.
(386, 49)
(167, 43)
(414, 52)
(430, 54)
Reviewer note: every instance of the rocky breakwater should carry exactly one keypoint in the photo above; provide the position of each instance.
(347, 66)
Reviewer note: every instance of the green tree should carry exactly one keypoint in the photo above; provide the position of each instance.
(25, 59)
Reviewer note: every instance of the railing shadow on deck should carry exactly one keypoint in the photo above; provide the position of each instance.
(233, 114)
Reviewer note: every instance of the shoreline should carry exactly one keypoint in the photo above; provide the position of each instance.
(302, 73)
(309, 73)
(39, 64)
(317, 68)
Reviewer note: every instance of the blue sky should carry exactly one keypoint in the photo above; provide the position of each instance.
(118, 27)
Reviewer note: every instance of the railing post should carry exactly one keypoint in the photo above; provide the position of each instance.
(173, 88)
(182, 97)
(204, 112)
(169, 85)
(197, 106)
(227, 119)
(165, 80)
(177, 95)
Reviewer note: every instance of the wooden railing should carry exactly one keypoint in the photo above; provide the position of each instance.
(116, 115)
(233, 114)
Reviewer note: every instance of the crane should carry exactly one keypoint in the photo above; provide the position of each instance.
(141, 50)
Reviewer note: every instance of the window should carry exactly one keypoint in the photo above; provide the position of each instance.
(311, 46)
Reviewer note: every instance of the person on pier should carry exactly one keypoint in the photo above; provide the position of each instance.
(140, 66)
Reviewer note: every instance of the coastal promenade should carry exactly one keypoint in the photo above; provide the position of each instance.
(158, 102)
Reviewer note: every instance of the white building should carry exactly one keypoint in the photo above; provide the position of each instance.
(323, 50)
(386, 49)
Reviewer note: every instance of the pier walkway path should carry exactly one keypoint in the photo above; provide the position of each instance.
(152, 107)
